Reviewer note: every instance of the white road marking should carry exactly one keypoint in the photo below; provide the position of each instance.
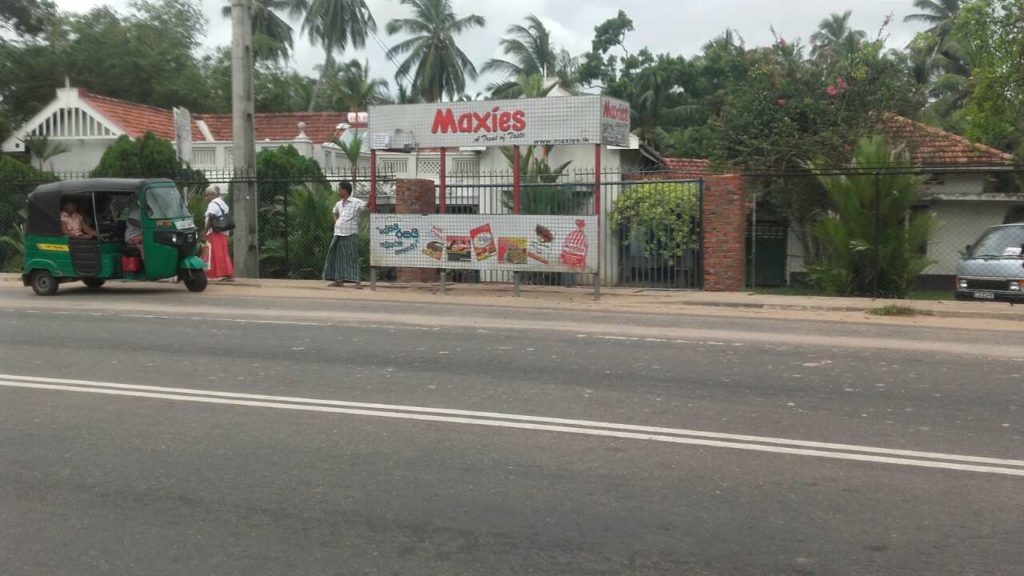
(519, 421)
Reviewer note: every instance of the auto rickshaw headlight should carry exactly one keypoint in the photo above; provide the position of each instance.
(168, 237)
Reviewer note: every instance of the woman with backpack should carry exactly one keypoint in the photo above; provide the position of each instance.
(218, 224)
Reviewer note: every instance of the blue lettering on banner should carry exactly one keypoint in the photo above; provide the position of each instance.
(403, 240)
(396, 230)
(408, 248)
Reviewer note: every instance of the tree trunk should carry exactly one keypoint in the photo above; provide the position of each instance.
(328, 66)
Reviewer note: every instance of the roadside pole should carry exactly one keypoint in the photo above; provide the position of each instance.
(246, 235)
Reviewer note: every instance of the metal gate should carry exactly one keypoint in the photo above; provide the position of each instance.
(656, 232)
(767, 253)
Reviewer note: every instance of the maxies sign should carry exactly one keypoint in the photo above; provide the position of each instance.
(615, 111)
(496, 120)
(541, 121)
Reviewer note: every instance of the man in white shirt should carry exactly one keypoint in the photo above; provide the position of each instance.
(343, 258)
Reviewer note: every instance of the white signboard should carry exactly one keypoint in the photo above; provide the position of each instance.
(541, 121)
(485, 242)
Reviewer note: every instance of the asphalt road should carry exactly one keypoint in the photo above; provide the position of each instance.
(163, 433)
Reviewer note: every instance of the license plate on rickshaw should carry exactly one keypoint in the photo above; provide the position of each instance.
(183, 224)
(985, 295)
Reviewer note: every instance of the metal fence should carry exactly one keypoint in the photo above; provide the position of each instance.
(787, 241)
(651, 228)
(650, 225)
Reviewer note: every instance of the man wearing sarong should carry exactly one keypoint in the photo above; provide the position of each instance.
(343, 258)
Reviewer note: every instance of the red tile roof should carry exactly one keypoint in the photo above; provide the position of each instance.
(929, 147)
(137, 119)
(933, 147)
(320, 126)
(688, 167)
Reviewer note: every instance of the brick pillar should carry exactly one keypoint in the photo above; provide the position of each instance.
(725, 230)
(415, 196)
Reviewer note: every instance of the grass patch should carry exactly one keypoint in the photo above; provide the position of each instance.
(893, 310)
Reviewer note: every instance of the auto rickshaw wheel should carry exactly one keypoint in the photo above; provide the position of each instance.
(195, 280)
(43, 283)
(93, 283)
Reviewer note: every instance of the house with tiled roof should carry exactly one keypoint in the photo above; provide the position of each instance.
(87, 124)
(967, 189)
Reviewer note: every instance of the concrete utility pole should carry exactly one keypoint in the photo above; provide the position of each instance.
(244, 151)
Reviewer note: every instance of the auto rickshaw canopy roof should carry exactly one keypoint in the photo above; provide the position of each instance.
(45, 202)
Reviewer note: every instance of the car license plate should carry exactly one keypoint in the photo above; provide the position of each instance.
(985, 295)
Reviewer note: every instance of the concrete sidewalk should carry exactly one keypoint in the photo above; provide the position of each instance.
(612, 299)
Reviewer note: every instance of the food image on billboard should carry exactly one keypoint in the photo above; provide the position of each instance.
(540, 247)
(512, 250)
(575, 247)
(500, 242)
(434, 249)
(483, 242)
(459, 249)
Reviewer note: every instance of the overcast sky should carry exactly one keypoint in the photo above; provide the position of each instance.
(674, 26)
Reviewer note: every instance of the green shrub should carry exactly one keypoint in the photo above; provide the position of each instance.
(662, 216)
(866, 207)
(17, 179)
(145, 157)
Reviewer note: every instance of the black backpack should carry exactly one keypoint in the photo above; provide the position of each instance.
(223, 222)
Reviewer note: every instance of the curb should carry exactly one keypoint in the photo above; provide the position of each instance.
(620, 298)
(855, 309)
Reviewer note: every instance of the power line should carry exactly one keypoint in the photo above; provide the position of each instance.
(391, 58)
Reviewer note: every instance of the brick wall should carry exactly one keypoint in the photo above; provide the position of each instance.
(415, 196)
(725, 221)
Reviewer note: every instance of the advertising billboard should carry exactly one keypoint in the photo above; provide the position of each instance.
(485, 242)
(538, 121)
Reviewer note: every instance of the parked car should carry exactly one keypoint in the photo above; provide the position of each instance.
(993, 268)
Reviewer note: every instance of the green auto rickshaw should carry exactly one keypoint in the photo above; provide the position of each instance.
(152, 213)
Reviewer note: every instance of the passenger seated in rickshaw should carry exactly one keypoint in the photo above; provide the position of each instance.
(133, 230)
(72, 224)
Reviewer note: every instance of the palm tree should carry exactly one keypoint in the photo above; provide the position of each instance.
(729, 41)
(272, 38)
(529, 52)
(951, 71)
(835, 37)
(43, 149)
(404, 95)
(653, 103)
(567, 70)
(542, 194)
(939, 15)
(441, 66)
(352, 150)
(353, 90)
(523, 86)
(334, 25)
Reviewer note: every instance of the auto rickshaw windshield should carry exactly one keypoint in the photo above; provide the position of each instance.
(165, 202)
